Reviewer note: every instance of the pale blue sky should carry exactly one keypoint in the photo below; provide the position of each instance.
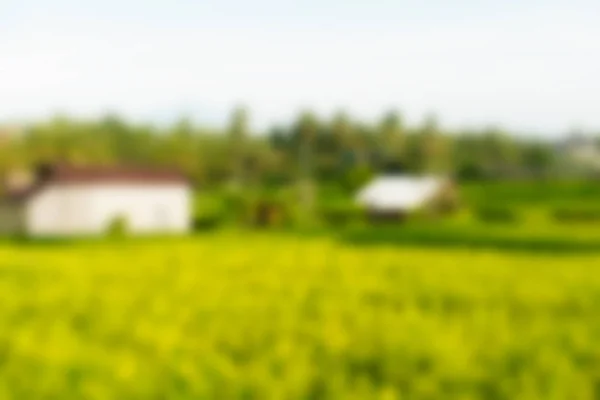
(530, 66)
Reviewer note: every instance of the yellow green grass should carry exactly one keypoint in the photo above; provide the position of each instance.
(241, 315)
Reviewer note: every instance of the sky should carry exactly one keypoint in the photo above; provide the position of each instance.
(527, 66)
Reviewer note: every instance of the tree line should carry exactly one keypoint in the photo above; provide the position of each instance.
(341, 150)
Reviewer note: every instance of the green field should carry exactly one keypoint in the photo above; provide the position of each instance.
(248, 315)
(524, 193)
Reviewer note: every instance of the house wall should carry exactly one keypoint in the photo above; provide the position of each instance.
(11, 219)
(90, 209)
(56, 211)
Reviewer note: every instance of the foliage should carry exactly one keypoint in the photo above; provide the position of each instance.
(118, 227)
(208, 221)
(476, 236)
(274, 210)
(343, 149)
(342, 214)
(577, 214)
(357, 177)
(527, 193)
(497, 214)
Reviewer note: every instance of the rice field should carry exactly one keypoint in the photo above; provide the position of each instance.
(260, 316)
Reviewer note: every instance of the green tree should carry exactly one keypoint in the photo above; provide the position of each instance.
(238, 133)
(392, 139)
(435, 147)
(539, 159)
(306, 131)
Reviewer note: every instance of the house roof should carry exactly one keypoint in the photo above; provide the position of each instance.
(77, 175)
(399, 192)
(94, 174)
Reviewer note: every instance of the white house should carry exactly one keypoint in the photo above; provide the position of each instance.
(401, 194)
(68, 201)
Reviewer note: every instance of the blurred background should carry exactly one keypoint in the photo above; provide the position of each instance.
(384, 199)
(315, 97)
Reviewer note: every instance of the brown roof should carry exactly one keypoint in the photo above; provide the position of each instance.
(76, 175)
(90, 174)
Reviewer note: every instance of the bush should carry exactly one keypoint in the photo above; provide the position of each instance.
(237, 205)
(118, 227)
(341, 215)
(576, 214)
(270, 213)
(207, 221)
(440, 236)
(528, 192)
(210, 211)
(357, 177)
(497, 214)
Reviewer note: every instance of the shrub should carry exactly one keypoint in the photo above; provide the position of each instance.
(208, 221)
(440, 236)
(270, 213)
(357, 177)
(237, 204)
(210, 211)
(576, 214)
(497, 214)
(341, 215)
(118, 227)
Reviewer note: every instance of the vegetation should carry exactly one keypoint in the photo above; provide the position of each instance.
(497, 214)
(308, 150)
(259, 316)
(118, 227)
(546, 238)
(308, 171)
(496, 300)
(577, 214)
(553, 192)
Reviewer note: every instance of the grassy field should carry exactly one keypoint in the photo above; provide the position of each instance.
(550, 193)
(533, 234)
(247, 315)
